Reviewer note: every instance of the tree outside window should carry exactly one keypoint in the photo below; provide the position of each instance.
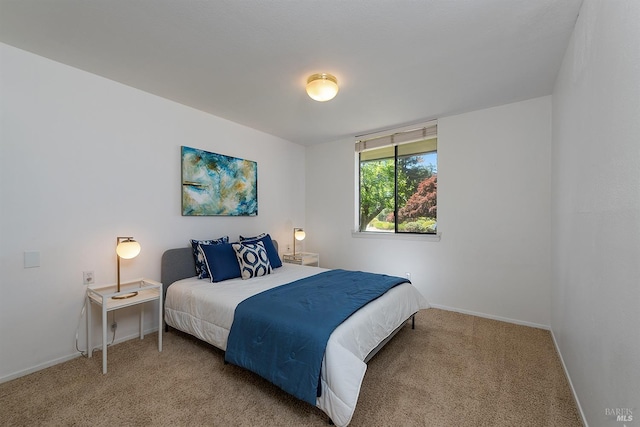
(399, 187)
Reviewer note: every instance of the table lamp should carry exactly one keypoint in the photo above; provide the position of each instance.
(298, 234)
(126, 248)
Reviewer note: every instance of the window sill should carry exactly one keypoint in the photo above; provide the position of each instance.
(396, 236)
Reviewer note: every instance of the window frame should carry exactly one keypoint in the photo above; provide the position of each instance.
(392, 138)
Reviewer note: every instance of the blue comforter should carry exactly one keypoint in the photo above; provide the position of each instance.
(281, 334)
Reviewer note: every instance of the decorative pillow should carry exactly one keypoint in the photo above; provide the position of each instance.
(253, 259)
(272, 252)
(221, 262)
(201, 268)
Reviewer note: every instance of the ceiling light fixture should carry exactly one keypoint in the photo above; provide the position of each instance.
(322, 87)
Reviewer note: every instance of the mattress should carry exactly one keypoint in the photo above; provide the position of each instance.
(205, 310)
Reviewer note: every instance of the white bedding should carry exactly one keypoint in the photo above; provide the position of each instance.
(206, 309)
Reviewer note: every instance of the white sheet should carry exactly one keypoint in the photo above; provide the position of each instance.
(205, 310)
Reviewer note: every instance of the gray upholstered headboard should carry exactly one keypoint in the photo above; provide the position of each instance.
(178, 264)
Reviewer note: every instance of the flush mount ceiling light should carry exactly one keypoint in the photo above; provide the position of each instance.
(322, 87)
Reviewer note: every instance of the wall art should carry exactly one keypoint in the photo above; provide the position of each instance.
(215, 184)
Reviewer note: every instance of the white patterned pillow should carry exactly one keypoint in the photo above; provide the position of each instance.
(252, 259)
(272, 252)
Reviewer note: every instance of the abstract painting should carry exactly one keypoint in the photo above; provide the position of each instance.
(215, 184)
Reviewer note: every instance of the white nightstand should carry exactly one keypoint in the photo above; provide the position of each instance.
(148, 290)
(302, 258)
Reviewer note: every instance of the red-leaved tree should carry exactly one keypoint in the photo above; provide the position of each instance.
(422, 203)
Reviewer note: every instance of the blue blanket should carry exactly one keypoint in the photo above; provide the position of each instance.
(281, 334)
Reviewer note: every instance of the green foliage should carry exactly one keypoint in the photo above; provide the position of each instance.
(376, 189)
(384, 214)
(422, 225)
(409, 180)
(382, 225)
(410, 174)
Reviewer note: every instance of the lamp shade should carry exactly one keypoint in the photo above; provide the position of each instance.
(128, 249)
(322, 87)
(299, 234)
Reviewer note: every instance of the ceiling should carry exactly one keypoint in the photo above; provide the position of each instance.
(398, 62)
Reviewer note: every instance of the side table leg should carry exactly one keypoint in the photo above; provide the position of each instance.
(104, 338)
(160, 317)
(142, 321)
(89, 326)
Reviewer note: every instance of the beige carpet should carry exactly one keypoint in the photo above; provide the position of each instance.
(452, 370)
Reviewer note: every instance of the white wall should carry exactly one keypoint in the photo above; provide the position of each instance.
(85, 159)
(493, 212)
(596, 210)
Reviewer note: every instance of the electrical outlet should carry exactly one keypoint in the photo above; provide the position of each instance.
(88, 278)
(114, 326)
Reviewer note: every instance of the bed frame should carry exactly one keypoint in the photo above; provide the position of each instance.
(178, 264)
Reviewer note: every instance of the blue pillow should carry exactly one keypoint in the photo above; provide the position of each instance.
(198, 257)
(272, 252)
(221, 261)
(252, 259)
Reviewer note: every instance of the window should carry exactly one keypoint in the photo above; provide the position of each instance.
(398, 181)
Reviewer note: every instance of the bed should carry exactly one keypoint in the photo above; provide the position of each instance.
(206, 311)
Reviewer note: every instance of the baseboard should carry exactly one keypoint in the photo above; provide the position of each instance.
(490, 316)
(37, 368)
(566, 374)
(63, 359)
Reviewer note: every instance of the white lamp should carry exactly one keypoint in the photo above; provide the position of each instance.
(126, 248)
(322, 87)
(298, 234)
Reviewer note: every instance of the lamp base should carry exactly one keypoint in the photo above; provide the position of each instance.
(125, 296)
